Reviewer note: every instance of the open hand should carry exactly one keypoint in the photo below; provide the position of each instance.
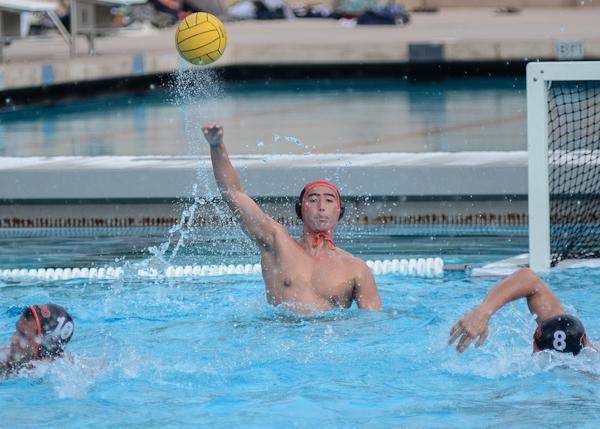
(213, 133)
(474, 324)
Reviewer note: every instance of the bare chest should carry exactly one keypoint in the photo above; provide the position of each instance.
(309, 280)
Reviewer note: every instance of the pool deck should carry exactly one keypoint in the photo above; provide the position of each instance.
(486, 188)
(474, 188)
(448, 36)
(401, 175)
(456, 183)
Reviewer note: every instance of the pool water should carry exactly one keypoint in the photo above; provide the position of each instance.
(278, 117)
(211, 352)
(90, 247)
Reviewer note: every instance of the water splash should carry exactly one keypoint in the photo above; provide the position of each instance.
(508, 352)
(196, 91)
(183, 228)
(69, 377)
(291, 139)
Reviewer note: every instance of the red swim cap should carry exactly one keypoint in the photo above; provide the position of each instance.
(306, 191)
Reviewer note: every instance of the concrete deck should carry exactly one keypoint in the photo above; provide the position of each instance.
(430, 175)
(124, 191)
(451, 35)
(473, 188)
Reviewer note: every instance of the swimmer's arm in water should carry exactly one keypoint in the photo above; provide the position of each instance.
(4, 365)
(522, 284)
(4, 369)
(7, 366)
(255, 223)
(365, 291)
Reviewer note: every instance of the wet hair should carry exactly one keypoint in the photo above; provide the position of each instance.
(563, 333)
(300, 199)
(54, 326)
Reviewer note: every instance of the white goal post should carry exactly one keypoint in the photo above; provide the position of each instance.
(540, 76)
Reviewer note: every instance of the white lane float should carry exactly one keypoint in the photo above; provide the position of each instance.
(419, 267)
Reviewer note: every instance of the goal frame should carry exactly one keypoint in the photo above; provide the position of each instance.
(540, 75)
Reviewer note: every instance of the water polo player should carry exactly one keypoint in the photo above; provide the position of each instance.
(555, 331)
(309, 274)
(42, 332)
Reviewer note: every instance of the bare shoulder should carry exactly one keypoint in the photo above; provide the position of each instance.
(281, 234)
(365, 290)
(358, 265)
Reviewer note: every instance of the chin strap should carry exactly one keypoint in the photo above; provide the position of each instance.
(38, 325)
(321, 236)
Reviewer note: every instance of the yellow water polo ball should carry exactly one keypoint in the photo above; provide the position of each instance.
(201, 38)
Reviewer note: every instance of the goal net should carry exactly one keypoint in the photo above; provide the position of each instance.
(563, 125)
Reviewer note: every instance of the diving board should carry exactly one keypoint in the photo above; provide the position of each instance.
(10, 18)
(91, 17)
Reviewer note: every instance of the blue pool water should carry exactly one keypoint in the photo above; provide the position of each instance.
(87, 247)
(323, 116)
(210, 352)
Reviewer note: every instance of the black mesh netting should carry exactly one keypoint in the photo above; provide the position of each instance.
(574, 169)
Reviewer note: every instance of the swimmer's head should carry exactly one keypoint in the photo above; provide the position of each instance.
(306, 194)
(53, 327)
(563, 333)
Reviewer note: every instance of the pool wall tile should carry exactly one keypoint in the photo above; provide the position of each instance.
(21, 75)
(47, 74)
(138, 65)
(159, 62)
(467, 51)
(543, 49)
(592, 48)
(425, 52)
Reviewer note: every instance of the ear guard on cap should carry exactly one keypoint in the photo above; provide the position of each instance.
(298, 206)
(54, 327)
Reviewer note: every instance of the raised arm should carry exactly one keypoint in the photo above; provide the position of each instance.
(522, 284)
(365, 290)
(255, 223)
